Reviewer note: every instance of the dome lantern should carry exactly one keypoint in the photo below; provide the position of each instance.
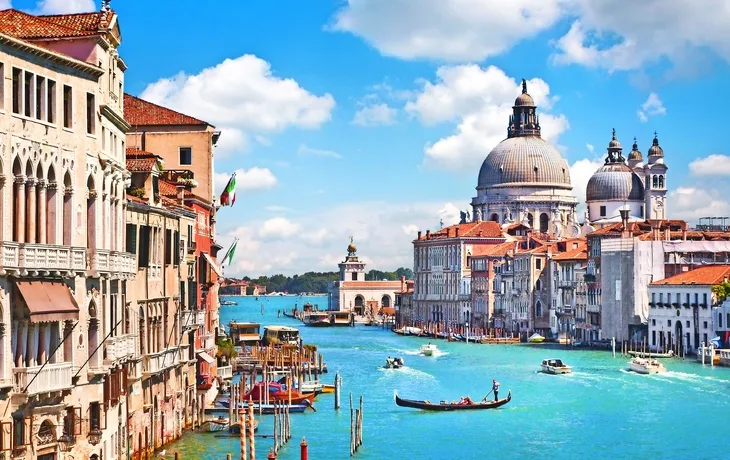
(655, 150)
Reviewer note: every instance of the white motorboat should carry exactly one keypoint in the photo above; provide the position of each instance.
(555, 366)
(215, 425)
(428, 350)
(646, 366)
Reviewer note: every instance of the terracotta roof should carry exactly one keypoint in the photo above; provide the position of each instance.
(142, 113)
(167, 188)
(492, 250)
(709, 275)
(486, 229)
(135, 199)
(574, 254)
(395, 285)
(140, 160)
(28, 27)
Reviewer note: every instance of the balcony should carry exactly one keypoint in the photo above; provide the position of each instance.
(192, 247)
(118, 349)
(52, 377)
(43, 257)
(135, 370)
(155, 363)
(190, 319)
(567, 284)
(593, 308)
(105, 261)
(225, 372)
(564, 311)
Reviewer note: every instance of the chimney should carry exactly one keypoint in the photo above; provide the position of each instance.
(684, 230)
(625, 223)
(667, 233)
(457, 231)
(428, 234)
(181, 193)
(655, 224)
(403, 284)
(419, 234)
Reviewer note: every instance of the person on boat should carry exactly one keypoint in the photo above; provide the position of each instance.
(495, 388)
(465, 400)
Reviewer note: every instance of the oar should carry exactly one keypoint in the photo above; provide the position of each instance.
(490, 392)
(309, 405)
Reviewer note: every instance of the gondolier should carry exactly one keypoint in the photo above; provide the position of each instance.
(495, 389)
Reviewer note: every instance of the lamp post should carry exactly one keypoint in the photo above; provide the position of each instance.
(467, 332)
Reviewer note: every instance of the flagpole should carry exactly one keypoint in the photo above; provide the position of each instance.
(228, 252)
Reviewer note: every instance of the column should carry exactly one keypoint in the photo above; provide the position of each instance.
(20, 209)
(106, 224)
(31, 211)
(52, 213)
(42, 343)
(42, 211)
(28, 351)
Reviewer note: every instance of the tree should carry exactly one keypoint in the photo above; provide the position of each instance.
(721, 291)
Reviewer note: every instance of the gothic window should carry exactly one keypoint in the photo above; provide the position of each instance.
(654, 181)
(538, 308)
(544, 222)
(661, 181)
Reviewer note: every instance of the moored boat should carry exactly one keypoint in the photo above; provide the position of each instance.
(646, 366)
(555, 366)
(215, 424)
(278, 393)
(268, 409)
(536, 338)
(428, 349)
(244, 333)
(317, 319)
(669, 354)
(342, 318)
(236, 427)
(464, 404)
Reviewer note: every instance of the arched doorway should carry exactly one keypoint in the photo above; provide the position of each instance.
(495, 217)
(385, 301)
(93, 337)
(530, 220)
(679, 337)
(67, 208)
(544, 220)
(359, 304)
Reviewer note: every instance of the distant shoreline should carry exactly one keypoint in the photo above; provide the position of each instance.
(275, 295)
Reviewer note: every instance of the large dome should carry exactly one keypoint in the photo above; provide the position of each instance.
(615, 181)
(527, 160)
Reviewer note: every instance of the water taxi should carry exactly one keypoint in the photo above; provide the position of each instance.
(555, 367)
(429, 349)
(342, 318)
(317, 319)
(243, 333)
(646, 366)
(280, 335)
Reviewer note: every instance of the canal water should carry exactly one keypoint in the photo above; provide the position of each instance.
(599, 411)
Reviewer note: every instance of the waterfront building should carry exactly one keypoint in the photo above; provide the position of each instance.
(485, 262)
(240, 288)
(404, 302)
(721, 323)
(64, 345)
(568, 299)
(442, 271)
(524, 179)
(352, 292)
(683, 309)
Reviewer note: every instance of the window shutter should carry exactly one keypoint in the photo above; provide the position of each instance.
(183, 298)
(176, 242)
(132, 238)
(144, 246)
(77, 421)
(107, 389)
(6, 436)
(168, 247)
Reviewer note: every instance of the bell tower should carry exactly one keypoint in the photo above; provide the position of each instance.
(655, 182)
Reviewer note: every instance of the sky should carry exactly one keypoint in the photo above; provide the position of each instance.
(370, 118)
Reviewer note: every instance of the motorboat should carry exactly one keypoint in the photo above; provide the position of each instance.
(669, 354)
(215, 424)
(555, 366)
(394, 363)
(236, 427)
(277, 393)
(228, 303)
(464, 404)
(646, 366)
(244, 333)
(280, 335)
(268, 409)
(428, 349)
(536, 338)
(317, 319)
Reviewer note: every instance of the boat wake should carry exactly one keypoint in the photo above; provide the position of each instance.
(409, 371)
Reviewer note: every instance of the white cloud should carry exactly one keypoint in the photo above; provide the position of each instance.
(383, 233)
(247, 180)
(445, 29)
(653, 106)
(712, 165)
(311, 152)
(278, 228)
(242, 96)
(64, 6)
(479, 100)
(580, 173)
(375, 115)
(5, 4)
(590, 147)
(692, 203)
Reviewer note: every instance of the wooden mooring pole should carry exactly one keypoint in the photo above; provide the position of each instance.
(338, 388)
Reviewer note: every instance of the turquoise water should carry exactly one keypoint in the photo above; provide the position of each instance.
(599, 411)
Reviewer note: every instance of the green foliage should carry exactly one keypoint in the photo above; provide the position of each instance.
(226, 350)
(137, 192)
(721, 291)
(318, 281)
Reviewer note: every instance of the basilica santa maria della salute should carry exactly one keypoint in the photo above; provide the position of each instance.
(525, 180)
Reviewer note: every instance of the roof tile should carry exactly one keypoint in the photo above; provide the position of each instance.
(143, 113)
(29, 27)
(709, 275)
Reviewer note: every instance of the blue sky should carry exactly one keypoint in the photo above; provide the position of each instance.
(371, 117)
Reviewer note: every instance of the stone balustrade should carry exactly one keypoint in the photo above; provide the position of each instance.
(225, 372)
(192, 318)
(154, 363)
(43, 379)
(119, 348)
(103, 260)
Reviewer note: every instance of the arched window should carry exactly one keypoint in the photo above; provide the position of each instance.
(530, 220)
(93, 338)
(46, 433)
(538, 308)
(385, 301)
(91, 214)
(30, 205)
(544, 220)
(494, 218)
(654, 181)
(67, 208)
(538, 285)
(661, 181)
(18, 202)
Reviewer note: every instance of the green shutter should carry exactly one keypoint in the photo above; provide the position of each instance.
(132, 238)
(144, 246)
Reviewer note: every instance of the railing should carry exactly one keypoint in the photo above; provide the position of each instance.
(119, 348)
(192, 318)
(103, 260)
(160, 361)
(192, 246)
(566, 311)
(48, 257)
(593, 308)
(225, 372)
(567, 284)
(9, 254)
(53, 377)
(135, 370)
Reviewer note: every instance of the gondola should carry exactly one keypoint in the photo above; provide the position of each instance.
(446, 406)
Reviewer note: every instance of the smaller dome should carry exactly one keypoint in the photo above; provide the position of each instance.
(635, 154)
(614, 144)
(351, 248)
(615, 181)
(524, 99)
(655, 150)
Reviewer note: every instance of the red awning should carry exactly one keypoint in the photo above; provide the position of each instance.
(48, 301)
(388, 311)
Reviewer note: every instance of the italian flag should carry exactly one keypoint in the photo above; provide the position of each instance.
(228, 197)
(229, 254)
